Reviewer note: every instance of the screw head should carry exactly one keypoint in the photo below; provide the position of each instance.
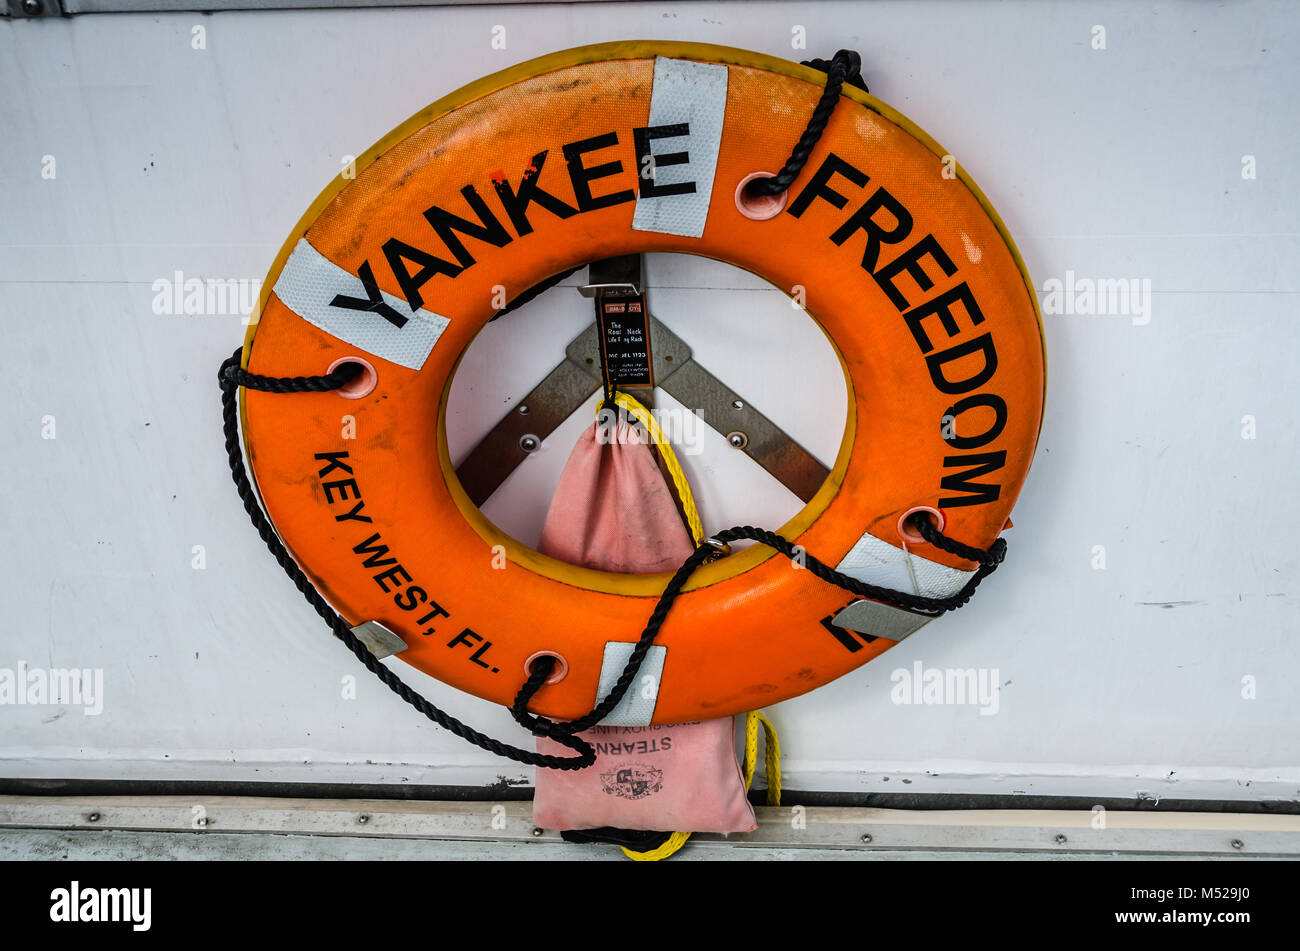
(737, 404)
(866, 838)
(537, 831)
(363, 819)
(93, 817)
(529, 443)
(523, 410)
(737, 440)
(1061, 839)
(33, 8)
(1238, 844)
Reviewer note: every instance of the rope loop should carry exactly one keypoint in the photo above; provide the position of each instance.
(844, 66)
(232, 376)
(926, 528)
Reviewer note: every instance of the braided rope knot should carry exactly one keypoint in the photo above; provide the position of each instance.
(844, 66)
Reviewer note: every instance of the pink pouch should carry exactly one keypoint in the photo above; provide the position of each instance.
(678, 778)
(613, 511)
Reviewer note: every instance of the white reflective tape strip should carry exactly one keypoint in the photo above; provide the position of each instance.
(695, 94)
(310, 282)
(880, 563)
(880, 620)
(637, 708)
(381, 641)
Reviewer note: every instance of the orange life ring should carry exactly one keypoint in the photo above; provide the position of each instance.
(533, 171)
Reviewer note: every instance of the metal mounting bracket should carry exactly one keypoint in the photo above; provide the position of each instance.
(673, 367)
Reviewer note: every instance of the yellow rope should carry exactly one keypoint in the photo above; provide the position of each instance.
(675, 842)
(772, 745)
(752, 720)
(644, 417)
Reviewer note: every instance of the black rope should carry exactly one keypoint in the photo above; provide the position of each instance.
(988, 561)
(231, 376)
(824, 66)
(608, 375)
(845, 66)
(556, 729)
(930, 532)
(634, 840)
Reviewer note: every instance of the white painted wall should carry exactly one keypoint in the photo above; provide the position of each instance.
(1116, 163)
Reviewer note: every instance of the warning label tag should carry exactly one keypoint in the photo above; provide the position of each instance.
(625, 340)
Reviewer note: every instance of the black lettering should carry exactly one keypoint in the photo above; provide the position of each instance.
(476, 657)
(342, 487)
(819, 185)
(408, 599)
(335, 460)
(373, 301)
(354, 515)
(516, 203)
(981, 464)
(863, 220)
(993, 402)
(936, 362)
(466, 637)
(582, 177)
(487, 229)
(942, 306)
(641, 138)
(375, 551)
(398, 252)
(846, 637)
(392, 574)
(910, 261)
(438, 611)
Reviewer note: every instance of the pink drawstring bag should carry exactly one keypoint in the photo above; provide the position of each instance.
(613, 511)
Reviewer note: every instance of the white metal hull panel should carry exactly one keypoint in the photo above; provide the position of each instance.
(1142, 634)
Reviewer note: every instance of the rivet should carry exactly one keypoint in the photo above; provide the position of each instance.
(363, 819)
(529, 443)
(866, 838)
(93, 817)
(737, 439)
(537, 831)
(1061, 839)
(1238, 844)
(32, 7)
